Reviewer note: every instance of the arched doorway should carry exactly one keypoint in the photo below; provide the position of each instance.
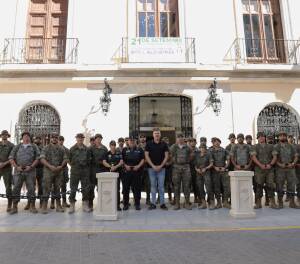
(171, 113)
(38, 118)
(277, 117)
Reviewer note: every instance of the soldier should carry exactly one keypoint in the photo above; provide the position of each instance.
(203, 141)
(145, 176)
(193, 143)
(80, 159)
(133, 158)
(5, 169)
(264, 157)
(298, 171)
(181, 156)
(24, 157)
(127, 142)
(65, 178)
(92, 141)
(99, 153)
(220, 177)
(54, 158)
(168, 178)
(121, 142)
(270, 139)
(228, 148)
(203, 163)
(249, 140)
(291, 139)
(240, 154)
(39, 172)
(285, 170)
(114, 162)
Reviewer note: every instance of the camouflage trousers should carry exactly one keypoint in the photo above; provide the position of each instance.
(6, 173)
(65, 179)
(181, 174)
(264, 178)
(194, 185)
(285, 175)
(29, 179)
(298, 181)
(39, 180)
(82, 175)
(51, 182)
(168, 180)
(221, 181)
(205, 180)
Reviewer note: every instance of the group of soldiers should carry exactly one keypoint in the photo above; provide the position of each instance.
(201, 170)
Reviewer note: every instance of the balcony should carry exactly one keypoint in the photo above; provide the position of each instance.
(39, 51)
(156, 50)
(264, 51)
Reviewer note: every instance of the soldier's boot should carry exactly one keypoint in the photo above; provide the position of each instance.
(59, 208)
(267, 202)
(177, 204)
(52, 205)
(226, 204)
(219, 204)
(187, 204)
(41, 204)
(91, 205)
(293, 204)
(27, 206)
(212, 205)
(280, 202)
(9, 205)
(65, 204)
(72, 208)
(170, 197)
(14, 209)
(32, 208)
(258, 204)
(85, 207)
(44, 207)
(203, 204)
(273, 204)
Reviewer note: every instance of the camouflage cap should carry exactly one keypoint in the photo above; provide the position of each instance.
(61, 138)
(202, 146)
(240, 135)
(281, 133)
(270, 136)
(4, 132)
(212, 139)
(232, 135)
(260, 134)
(98, 136)
(203, 139)
(179, 135)
(79, 135)
(54, 135)
(248, 136)
(217, 139)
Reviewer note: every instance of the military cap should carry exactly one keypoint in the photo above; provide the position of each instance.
(192, 139)
(98, 136)
(203, 139)
(54, 135)
(232, 135)
(4, 132)
(80, 135)
(261, 134)
(282, 133)
(126, 138)
(270, 136)
(217, 139)
(179, 135)
(202, 146)
(121, 140)
(142, 136)
(240, 135)
(25, 133)
(61, 138)
(112, 143)
(213, 139)
(248, 136)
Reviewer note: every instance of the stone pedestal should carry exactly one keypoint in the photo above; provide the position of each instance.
(106, 208)
(241, 194)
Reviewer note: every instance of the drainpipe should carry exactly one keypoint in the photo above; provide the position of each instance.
(237, 42)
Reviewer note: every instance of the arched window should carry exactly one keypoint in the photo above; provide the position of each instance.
(263, 30)
(157, 18)
(38, 118)
(276, 117)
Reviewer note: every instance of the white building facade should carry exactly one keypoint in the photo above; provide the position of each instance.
(159, 57)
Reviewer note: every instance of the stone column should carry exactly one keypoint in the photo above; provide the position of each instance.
(241, 194)
(106, 208)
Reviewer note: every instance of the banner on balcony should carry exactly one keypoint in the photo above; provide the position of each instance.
(156, 50)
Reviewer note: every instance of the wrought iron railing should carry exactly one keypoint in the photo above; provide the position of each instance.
(264, 51)
(182, 50)
(40, 51)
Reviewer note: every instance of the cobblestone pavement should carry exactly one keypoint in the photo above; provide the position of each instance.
(242, 247)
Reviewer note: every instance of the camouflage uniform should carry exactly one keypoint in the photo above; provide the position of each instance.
(240, 153)
(80, 159)
(97, 157)
(6, 172)
(228, 149)
(39, 174)
(264, 154)
(65, 177)
(181, 172)
(286, 155)
(201, 162)
(55, 155)
(194, 180)
(220, 179)
(24, 156)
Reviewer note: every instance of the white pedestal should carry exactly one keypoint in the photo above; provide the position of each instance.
(241, 194)
(106, 208)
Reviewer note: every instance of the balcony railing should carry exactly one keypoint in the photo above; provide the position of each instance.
(40, 51)
(264, 51)
(156, 50)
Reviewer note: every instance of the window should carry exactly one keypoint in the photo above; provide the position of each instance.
(157, 18)
(46, 31)
(263, 29)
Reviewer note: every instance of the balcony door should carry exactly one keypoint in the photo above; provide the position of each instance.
(46, 31)
(263, 31)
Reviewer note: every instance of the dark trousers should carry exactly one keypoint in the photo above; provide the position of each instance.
(133, 180)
